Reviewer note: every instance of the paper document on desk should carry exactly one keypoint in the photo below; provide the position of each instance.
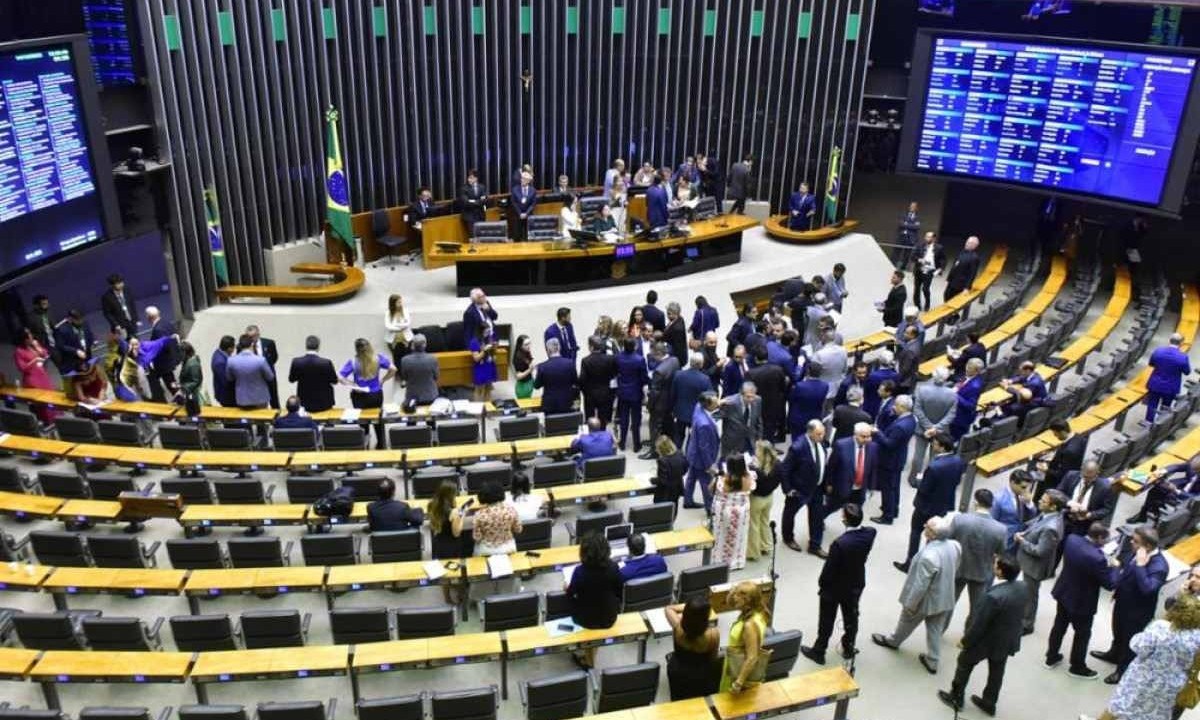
(568, 572)
(351, 415)
(468, 407)
(434, 569)
(499, 566)
(1175, 566)
(651, 548)
(656, 618)
(390, 409)
(93, 407)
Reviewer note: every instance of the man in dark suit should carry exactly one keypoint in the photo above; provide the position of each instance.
(981, 538)
(1167, 490)
(993, 635)
(675, 333)
(596, 374)
(266, 348)
(741, 422)
(479, 312)
(632, 380)
(118, 308)
(703, 452)
(906, 238)
(1170, 364)
(806, 400)
(419, 211)
(472, 202)
(388, 514)
(1085, 570)
(772, 386)
(162, 369)
(803, 479)
(704, 320)
(893, 454)
(686, 388)
(841, 584)
(43, 327)
(293, 419)
(222, 388)
(658, 400)
(739, 185)
(852, 468)
(959, 357)
(74, 340)
(857, 377)
(656, 204)
(558, 380)
(713, 362)
(802, 207)
(1067, 458)
(733, 374)
(521, 202)
(1135, 598)
(314, 376)
(936, 492)
(1090, 498)
(962, 272)
(652, 314)
(1027, 388)
(846, 416)
(564, 332)
(928, 260)
(893, 306)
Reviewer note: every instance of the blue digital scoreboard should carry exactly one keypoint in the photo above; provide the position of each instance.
(1104, 121)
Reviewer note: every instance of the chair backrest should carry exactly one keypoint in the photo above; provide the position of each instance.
(63, 484)
(551, 474)
(562, 423)
(543, 226)
(454, 336)
(490, 231)
(46, 631)
(119, 432)
(343, 437)
(558, 605)
(490, 471)
(604, 468)
(1112, 459)
(476, 704)
(628, 686)
(303, 710)
(518, 428)
(328, 550)
(359, 625)
(652, 518)
(697, 580)
(59, 548)
(114, 713)
(419, 622)
(1003, 431)
(174, 436)
(596, 522)
(306, 490)
(557, 698)
(364, 486)
(193, 491)
(458, 432)
(404, 707)
(272, 628)
(108, 486)
(508, 611)
(380, 225)
(784, 647)
(648, 592)
(195, 633)
(12, 480)
(195, 554)
(535, 534)
(116, 551)
(425, 481)
(115, 633)
(295, 439)
(402, 437)
(19, 422)
(435, 335)
(396, 545)
(1035, 421)
(228, 438)
(212, 712)
(239, 491)
(76, 429)
(255, 552)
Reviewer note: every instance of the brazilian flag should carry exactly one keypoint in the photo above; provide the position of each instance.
(337, 192)
(216, 245)
(834, 184)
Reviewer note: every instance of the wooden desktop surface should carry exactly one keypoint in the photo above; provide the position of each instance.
(300, 578)
(34, 447)
(270, 662)
(316, 460)
(67, 665)
(96, 579)
(416, 457)
(628, 626)
(20, 504)
(247, 459)
(22, 576)
(15, 662)
(93, 510)
(266, 514)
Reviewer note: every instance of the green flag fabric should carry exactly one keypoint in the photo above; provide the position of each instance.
(832, 187)
(337, 192)
(216, 244)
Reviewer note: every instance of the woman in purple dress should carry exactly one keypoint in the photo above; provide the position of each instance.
(483, 353)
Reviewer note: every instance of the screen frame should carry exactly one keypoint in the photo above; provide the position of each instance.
(102, 169)
(1170, 200)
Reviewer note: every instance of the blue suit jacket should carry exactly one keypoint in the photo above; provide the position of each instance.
(742, 327)
(871, 388)
(656, 207)
(704, 443)
(686, 388)
(644, 566)
(893, 444)
(887, 414)
(656, 317)
(799, 206)
(523, 200)
(222, 388)
(1170, 365)
(731, 379)
(806, 401)
(1034, 384)
(1136, 588)
(967, 406)
(939, 484)
(843, 387)
(595, 444)
(289, 421)
(703, 320)
(559, 383)
(839, 475)
(472, 320)
(631, 376)
(68, 341)
(1084, 571)
(566, 339)
(777, 354)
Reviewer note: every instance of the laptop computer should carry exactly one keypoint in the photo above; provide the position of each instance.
(618, 539)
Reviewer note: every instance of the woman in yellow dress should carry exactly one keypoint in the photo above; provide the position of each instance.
(746, 636)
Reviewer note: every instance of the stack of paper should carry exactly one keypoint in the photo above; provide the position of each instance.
(656, 618)
(434, 569)
(499, 566)
(350, 415)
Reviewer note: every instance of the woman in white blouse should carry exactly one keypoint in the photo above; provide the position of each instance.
(399, 329)
(569, 215)
(619, 202)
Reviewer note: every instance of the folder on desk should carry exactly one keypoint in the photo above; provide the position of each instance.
(656, 618)
(434, 569)
(499, 566)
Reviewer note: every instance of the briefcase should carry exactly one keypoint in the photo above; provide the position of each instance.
(154, 505)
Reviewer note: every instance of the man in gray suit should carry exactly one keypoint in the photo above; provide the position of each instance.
(741, 421)
(1037, 549)
(982, 539)
(829, 362)
(419, 373)
(928, 593)
(934, 404)
(738, 187)
(251, 376)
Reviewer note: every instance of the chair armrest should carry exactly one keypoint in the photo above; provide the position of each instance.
(150, 552)
(155, 629)
(331, 708)
(270, 491)
(570, 526)
(287, 552)
(523, 689)
(237, 628)
(20, 544)
(356, 541)
(305, 621)
(30, 483)
(148, 488)
(165, 714)
(593, 677)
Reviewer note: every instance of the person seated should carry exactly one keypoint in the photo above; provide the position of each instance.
(387, 513)
(294, 419)
(528, 505)
(569, 217)
(604, 224)
(1171, 485)
(1027, 388)
(639, 564)
(595, 443)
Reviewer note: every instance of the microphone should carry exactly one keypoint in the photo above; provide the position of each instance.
(772, 525)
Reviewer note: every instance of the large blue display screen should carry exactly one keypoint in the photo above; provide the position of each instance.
(1090, 120)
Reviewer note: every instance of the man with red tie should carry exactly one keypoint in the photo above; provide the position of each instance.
(851, 468)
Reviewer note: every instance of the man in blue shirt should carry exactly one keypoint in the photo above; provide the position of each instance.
(639, 564)
(595, 443)
(1170, 365)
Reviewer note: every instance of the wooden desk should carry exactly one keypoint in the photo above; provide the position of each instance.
(254, 580)
(63, 666)
(1011, 456)
(536, 640)
(456, 368)
(349, 578)
(28, 577)
(817, 688)
(393, 655)
(21, 506)
(348, 459)
(145, 410)
(216, 413)
(1187, 446)
(690, 709)
(1187, 551)
(457, 454)
(248, 460)
(105, 511)
(36, 448)
(334, 415)
(242, 515)
(271, 663)
(766, 699)
(15, 662)
(536, 447)
(346, 280)
(133, 582)
(599, 490)
(529, 404)
(92, 453)
(148, 458)
(777, 230)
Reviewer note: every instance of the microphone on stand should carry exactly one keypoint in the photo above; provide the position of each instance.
(774, 576)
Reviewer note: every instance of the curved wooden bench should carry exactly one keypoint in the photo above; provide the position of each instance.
(347, 280)
(776, 230)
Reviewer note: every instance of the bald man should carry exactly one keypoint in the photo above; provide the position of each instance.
(962, 272)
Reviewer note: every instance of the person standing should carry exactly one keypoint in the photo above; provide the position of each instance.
(686, 388)
(982, 538)
(119, 309)
(802, 207)
(522, 362)
(741, 421)
(472, 202)
(730, 510)
(962, 273)
(841, 583)
(266, 348)
(935, 404)
(770, 474)
(191, 380)
(1170, 364)
(670, 468)
(613, 175)
(740, 184)
(399, 329)
(597, 377)
(928, 594)
(652, 314)
(657, 201)
(745, 637)
(675, 334)
(806, 399)
(703, 452)
(803, 479)
(564, 332)
(1068, 457)
(31, 358)
(772, 384)
(1090, 498)
(935, 495)
(966, 398)
(851, 471)
(1014, 506)
(314, 377)
(658, 400)
(892, 306)
(250, 375)
(1037, 548)
(835, 286)
(906, 237)
(631, 383)
(704, 320)
(419, 373)
(483, 364)
(558, 380)
(44, 328)
(521, 201)
(928, 260)
(694, 651)
(993, 635)
(1077, 591)
(223, 391)
(847, 415)
(893, 453)
(74, 341)
(479, 312)
(162, 371)
(366, 374)
(1135, 596)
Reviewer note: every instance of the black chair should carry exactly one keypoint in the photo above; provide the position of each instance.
(454, 336)
(76, 429)
(229, 438)
(785, 648)
(476, 704)
(420, 622)
(518, 428)
(381, 228)
(698, 580)
(258, 552)
(273, 628)
(364, 486)
(1035, 421)
(562, 423)
(543, 227)
(555, 698)
(122, 633)
(604, 468)
(13, 480)
(592, 522)
(198, 633)
(656, 517)
(294, 439)
(551, 474)
(306, 490)
(304, 710)
(458, 432)
(647, 592)
(974, 444)
(109, 486)
(484, 472)
(558, 605)
(51, 631)
(122, 713)
(628, 686)
(404, 707)
(173, 436)
(396, 545)
(192, 490)
(242, 491)
(19, 422)
(25, 713)
(115, 551)
(1004, 432)
(12, 550)
(64, 485)
(1112, 460)
(508, 611)
(435, 337)
(359, 625)
(403, 437)
(195, 554)
(64, 549)
(119, 432)
(423, 483)
(212, 712)
(535, 534)
(329, 549)
(343, 437)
